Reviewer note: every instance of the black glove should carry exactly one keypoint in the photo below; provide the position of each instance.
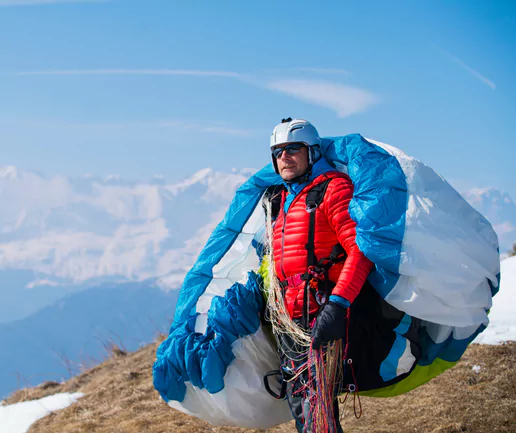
(330, 325)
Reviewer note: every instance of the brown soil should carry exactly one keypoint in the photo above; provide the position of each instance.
(119, 398)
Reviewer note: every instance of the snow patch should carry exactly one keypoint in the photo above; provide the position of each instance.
(18, 417)
(43, 282)
(171, 282)
(502, 316)
(9, 172)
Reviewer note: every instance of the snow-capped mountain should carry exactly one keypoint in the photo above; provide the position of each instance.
(78, 229)
(59, 232)
(500, 210)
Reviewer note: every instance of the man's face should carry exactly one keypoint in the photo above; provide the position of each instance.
(292, 166)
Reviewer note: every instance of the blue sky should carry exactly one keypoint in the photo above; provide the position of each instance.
(167, 87)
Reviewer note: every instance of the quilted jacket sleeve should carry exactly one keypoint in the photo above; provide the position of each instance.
(357, 266)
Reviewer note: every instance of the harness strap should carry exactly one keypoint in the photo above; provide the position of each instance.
(314, 197)
(277, 374)
(295, 280)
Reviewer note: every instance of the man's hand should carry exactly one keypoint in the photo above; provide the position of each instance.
(330, 325)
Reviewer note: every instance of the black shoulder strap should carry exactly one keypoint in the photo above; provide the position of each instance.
(313, 199)
(273, 194)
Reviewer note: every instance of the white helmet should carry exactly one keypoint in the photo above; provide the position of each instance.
(297, 131)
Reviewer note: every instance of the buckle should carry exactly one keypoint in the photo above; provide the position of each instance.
(321, 297)
(316, 272)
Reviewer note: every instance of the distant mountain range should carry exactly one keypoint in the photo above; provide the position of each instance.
(79, 330)
(60, 235)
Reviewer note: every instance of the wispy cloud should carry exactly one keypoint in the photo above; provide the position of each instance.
(213, 127)
(224, 130)
(5, 3)
(216, 128)
(188, 72)
(328, 71)
(468, 68)
(344, 100)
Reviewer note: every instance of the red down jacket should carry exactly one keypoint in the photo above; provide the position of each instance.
(332, 224)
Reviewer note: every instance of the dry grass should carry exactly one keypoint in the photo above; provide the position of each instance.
(119, 398)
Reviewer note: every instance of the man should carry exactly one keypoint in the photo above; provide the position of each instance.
(312, 234)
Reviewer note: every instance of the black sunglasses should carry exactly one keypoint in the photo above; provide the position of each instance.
(291, 149)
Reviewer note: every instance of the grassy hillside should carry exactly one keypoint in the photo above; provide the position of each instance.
(119, 398)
